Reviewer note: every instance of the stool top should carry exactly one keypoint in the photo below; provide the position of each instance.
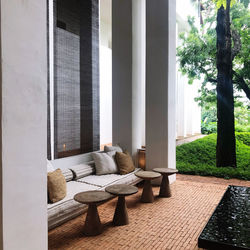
(147, 175)
(121, 189)
(167, 171)
(92, 197)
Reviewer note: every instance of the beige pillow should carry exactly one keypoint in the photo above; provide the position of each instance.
(124, 162)
(112, 148)
(104, 163)
(56, 183)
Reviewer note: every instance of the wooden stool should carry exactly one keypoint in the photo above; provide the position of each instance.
(92, 224)
(165, 187)
(121, 190)
(147, 193)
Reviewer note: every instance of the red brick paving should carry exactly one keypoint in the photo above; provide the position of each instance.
(168, 223)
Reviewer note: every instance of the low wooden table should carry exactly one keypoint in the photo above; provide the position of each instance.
(165, 187)
(147, 193)
(121, 190)
(93, 224)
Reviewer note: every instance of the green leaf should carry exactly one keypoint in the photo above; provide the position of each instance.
(223, 3)
(197, 51)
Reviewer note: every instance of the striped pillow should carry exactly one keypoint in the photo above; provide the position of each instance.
(82, 170)
(68, 174)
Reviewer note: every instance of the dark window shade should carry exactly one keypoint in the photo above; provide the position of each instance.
(61, 24)
(76, 78)
(67, 91)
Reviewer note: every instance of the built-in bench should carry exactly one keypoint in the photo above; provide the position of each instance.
(68, 208)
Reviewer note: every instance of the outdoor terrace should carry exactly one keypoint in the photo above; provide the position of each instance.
(168, 223)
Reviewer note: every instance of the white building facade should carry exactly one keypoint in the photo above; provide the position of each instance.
(143, 102)
(188, 113)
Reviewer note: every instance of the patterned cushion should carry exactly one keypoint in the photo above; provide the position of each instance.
(68, 174)
(82, 170)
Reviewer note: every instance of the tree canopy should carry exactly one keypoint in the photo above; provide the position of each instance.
(197, 54)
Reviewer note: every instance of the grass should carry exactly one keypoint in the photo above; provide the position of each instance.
(199, 158)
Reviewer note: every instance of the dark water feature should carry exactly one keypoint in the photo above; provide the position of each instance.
(229, 226)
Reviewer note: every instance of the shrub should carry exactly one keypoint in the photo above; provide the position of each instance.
(208, 127)
(242, 128)
(211, 127)
(243, 137)
(199, 158)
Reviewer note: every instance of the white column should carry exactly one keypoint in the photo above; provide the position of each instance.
(122, 73)
(128, 72)
(51, 74)
(197, 110)
(138, 72)
(160, 83)
(188, 108)
(180, 106)
(24, 124)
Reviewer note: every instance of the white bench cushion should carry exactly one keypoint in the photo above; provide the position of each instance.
(73, 188)
(108, 179)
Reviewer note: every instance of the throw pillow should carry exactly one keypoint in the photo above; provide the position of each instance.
(104, 164)
(68, 174)
(112, 154)
(112, 148)
(124, 162)
(56, 183)
(82, 170)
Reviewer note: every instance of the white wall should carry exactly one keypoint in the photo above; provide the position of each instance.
(105, 72)
(24, 124)
(188, 112)
(160, 84)
(138, 72)
(105, 95)
(105, 32)
(106, 23)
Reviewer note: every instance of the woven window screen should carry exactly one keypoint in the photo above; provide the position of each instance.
(67, 91)
(76, 121)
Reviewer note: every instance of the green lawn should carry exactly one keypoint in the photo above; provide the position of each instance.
(199, 158)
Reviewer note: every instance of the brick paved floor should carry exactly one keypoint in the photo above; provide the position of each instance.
(168, 223)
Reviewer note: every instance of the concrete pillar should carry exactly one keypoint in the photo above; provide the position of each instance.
(128, 72)
(197, 110)
(188, 108)
(122, 73)
(138, 72)
(160, 83)
(180, 106)
(23, 86)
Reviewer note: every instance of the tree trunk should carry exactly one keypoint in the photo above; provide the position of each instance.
(225, 150)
